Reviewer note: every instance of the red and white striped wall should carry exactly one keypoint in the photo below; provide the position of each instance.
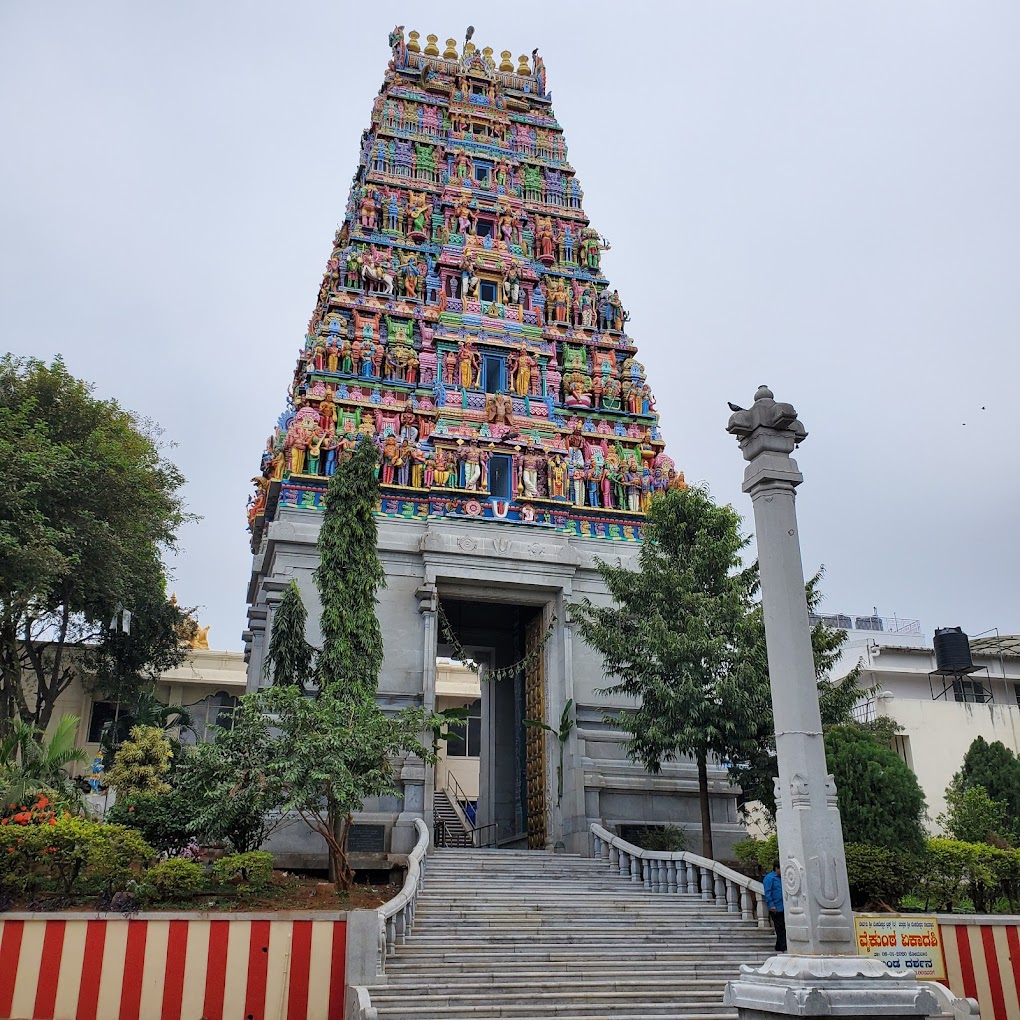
(172, 967)
(983, 963)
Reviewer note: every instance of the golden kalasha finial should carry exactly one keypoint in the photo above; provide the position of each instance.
(431, 49)
(487, 57)
(413, 45)
(469, 49)
(522, 66)
(506, 64)
(450, 53)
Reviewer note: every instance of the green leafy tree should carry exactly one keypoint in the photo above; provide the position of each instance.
(348, 577)
(996, 769)
(289, 658)
(31, 764)
(973, 817)
(231, 788)
(90, 504)
(332, 750)
(142, 763)
(678, 640)
(331, 753)
(880, 801)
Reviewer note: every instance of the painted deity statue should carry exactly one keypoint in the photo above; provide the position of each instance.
(557, 478)
(531, 464)
(523, 368)
(474, 461)
(470, 362)
(417, 211)
(512, 285)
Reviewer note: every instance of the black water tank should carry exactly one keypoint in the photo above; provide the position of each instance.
(952, 651)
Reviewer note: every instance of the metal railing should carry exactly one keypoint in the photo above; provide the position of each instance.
(458, 797)
(662, 871)
(396, 916)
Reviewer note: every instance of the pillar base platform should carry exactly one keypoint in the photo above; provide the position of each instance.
(838, 986)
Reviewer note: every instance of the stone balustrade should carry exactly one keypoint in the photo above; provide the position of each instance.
(663, 871)
(396, 916)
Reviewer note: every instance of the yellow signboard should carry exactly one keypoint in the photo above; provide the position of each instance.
(907, 943)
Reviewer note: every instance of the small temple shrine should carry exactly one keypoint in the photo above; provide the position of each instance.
(464, 321)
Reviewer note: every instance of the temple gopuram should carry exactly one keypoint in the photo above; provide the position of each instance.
(464, 324)
(464, 321)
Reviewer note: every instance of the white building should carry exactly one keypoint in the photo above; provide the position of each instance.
(940, 715)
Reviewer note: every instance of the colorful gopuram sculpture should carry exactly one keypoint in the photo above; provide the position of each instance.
(464, 324)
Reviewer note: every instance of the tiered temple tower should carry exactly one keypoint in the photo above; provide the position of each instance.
(464, 324)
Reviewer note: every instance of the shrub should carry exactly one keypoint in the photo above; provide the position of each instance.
(161, 818)
(253, 869)
(670, 838)
(880, 801)
(141, 763)
(757, 855)
(172, 879)
(879, 875)
(972, 816)
(955, 871)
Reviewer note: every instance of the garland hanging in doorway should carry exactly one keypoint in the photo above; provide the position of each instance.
(504, 672)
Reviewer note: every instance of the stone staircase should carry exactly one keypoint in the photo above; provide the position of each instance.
(454, 833)
(502, 933)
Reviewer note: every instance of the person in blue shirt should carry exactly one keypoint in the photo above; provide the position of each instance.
(774, 901)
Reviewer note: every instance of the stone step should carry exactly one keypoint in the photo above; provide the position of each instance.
(624, 1010)
(591, 996)
(453, 984)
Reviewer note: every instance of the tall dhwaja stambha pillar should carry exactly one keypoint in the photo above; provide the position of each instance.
(821, 974)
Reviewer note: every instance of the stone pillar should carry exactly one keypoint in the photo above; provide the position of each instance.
(821, 973)
(428, 606)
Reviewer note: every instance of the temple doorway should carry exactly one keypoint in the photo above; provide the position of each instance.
(493, 767)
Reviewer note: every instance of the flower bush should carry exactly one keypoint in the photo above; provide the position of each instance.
(75, 854)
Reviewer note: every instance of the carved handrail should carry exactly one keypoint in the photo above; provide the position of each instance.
(396, 916)
(680, 871)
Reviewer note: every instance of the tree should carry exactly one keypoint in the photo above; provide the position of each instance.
(348, 577)
(31, 765)
(880, 800)
(331, 752)
(973, 817)
(230, 785)
(996, 769)
(678, 639)
(90, 503)
(332, 749)
(289, 658)
(142, 763)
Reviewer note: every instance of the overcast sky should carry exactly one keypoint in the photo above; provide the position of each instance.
(819, 196)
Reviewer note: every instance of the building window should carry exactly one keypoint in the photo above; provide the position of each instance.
(481, 173)
(109, 719)
(500, 476)
(971, 691)
(483, 228)
(1016, 691)
(464, 740)
(487, 291)
(492, 367)
(215, 710)
(901, 745)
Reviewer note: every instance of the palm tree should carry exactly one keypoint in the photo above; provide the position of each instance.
(30, 765)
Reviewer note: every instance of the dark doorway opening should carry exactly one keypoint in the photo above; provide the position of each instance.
(512, 770)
